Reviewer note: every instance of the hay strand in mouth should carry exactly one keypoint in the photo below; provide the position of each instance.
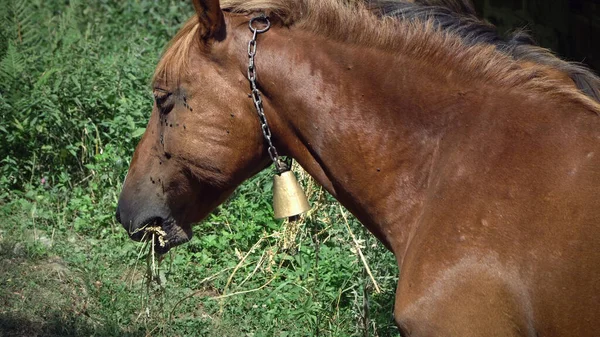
(153, 260)
(139, 257)
(159, 234)
(155, 281)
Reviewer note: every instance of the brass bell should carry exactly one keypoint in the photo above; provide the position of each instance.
(288, 197)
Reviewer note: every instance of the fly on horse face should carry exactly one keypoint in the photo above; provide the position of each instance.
(479, 174)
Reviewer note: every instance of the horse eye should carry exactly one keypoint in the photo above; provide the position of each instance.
(161, 97)
(163, 101)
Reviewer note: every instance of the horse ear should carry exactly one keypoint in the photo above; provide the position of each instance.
(210, 17)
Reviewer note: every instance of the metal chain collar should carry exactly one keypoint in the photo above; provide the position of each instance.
(255, 94)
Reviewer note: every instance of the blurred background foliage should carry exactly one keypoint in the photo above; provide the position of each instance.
(74, 101)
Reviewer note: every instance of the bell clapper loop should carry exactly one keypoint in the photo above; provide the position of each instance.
(281, 166)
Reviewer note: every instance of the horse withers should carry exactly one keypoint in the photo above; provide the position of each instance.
(486, 171)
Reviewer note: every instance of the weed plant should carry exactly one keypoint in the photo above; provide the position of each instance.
(74, 101)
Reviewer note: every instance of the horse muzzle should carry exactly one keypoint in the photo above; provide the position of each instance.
(151, 223)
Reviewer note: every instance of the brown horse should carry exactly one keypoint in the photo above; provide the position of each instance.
(480, 175)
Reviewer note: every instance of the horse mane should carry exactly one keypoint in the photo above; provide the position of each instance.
(459, 17)
(444, 16)
(522, 47)
(176, 55)
(354, 22)
(464, 7)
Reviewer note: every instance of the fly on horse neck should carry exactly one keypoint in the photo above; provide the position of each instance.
(478, 170)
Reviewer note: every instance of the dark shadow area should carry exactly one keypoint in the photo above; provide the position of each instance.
(570, 28)
(58, 324)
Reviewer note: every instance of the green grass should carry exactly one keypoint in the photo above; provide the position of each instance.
(65, 273)
(74, 99)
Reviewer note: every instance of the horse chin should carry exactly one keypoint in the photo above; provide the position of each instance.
(164, 234)
(175, 236)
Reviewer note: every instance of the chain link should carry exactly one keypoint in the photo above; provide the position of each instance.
(255, 93)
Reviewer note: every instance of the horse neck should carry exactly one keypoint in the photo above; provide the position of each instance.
(365, 124)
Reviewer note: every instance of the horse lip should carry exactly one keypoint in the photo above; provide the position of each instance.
(176, 236)
(161, 247)
(140, 233)
(165, 234)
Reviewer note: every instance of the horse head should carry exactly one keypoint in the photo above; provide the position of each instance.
(203, 138)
